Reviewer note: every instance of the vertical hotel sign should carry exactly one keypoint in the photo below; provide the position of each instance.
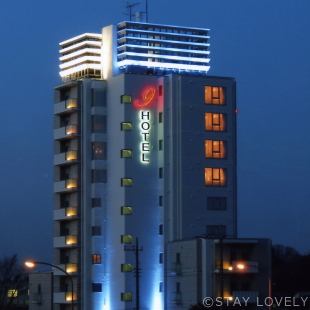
(148, 96)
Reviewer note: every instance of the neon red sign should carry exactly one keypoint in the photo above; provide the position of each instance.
(147, 98)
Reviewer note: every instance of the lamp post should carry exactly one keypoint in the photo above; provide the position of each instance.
(242, 266)
(33, 264)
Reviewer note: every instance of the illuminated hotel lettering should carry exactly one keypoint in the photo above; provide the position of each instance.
(145, 126)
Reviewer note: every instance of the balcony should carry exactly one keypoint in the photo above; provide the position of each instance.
(176, 268)
(65, 158)
(176, 298)
(69, 131)
(65, 241)
(65, 186)
(37, 298)
(249, 267)
(250, 295)
(69, 105)
(65, 214)
(64, 297)
(69, 268)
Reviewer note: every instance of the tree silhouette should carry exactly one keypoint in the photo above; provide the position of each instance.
(12, 277)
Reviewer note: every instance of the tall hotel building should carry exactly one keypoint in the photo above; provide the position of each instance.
(144, 148)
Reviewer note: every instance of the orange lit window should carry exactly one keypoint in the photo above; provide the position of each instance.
(96, 259)
(215, 121)
(215, 176)
(215, 149)
(215, 95)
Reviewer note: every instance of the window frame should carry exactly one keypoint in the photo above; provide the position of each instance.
(222, 149)
(215, 180)
(96, 259)
(104, 151)
(126, 150)
(222, 122)
(124, 123)
(126, 99)
(221, 90)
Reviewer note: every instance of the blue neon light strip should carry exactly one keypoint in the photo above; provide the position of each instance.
(164, 41)
(128, 62)
(193, 59)
(165, 49)
(163, 34)
(166, 26)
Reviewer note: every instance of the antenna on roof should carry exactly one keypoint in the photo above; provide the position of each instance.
(129, 6)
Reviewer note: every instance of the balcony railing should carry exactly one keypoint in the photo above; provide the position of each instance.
(69, 296)
(64, 297)
(71, 211)
(71, 183)
(176, 268)
(71, 155)
(71, 103)
(176, 297)
(71, 239)
(65, 106)
(71, 129)
(249, 266)
(71, 268)
(37, 298)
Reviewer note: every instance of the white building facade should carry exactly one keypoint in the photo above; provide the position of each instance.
(144, 147)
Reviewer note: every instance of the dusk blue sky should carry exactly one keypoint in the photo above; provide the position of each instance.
(263, 44)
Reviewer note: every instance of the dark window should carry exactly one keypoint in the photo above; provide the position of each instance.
(233, 256)
(245, 256)
(160, 117)
(96, 202)
(99, 150)
(64, 120)
(96, 259)
(216, 203)
(126, 99)
(233, 286)
(99, 176)
(39, 288)
(99, 123)
(216, 231)
(96, 231)
(96, 287)
(160, 90)
(98, 97)
(161, 201)
(161, 173)
(178, 257)
(64, 201)
(64, 146)
(160, 145)
(161, 258)
(161, 229)
(161, 287)
(178, 287)
(245, 286)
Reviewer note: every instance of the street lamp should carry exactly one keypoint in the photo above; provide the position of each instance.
(30, 264)
(242, 266)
